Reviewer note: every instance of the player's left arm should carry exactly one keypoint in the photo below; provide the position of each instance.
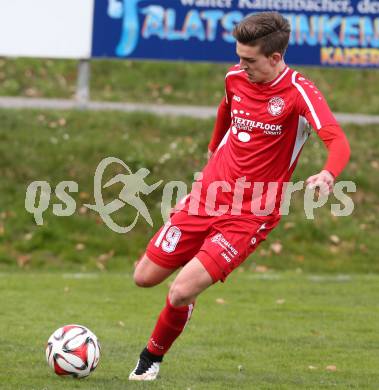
(338, 147)
(317, 112)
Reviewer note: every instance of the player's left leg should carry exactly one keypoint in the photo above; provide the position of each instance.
(189, 283)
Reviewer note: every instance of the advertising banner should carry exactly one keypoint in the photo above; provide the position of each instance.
(324, 32)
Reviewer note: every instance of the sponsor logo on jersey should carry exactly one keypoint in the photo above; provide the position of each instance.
(237, 98)
(226, 257)
(230, 251)
(254, 239)
(249, 125)
(276, 106)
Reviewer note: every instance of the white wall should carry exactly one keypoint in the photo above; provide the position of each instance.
(46, 28)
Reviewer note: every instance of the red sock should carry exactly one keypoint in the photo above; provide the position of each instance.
(170, 324)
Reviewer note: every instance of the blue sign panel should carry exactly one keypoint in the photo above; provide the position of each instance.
(324, 32)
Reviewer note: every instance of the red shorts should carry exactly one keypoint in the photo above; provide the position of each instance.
(221, 243)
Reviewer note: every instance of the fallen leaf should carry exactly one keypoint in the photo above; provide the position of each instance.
(312, 367)
(280, 301)
(165, 157)
(375, 164)
(289, 225)
(173, 145)
(83, 210)
(66, 289)
(84, 195)
(300, 258)
(276, 247)
(122, 324)
(106, 256)
(80, 246)
(240, 368)
(62, 122)
(28, 236)
(264, 253)
(261, 268)
(363, 248)
(334, 239)
(23, 260)
(220, 301)
(100, 266)
(31, 92)
(167, 89)
(2, 230)
(103, 259)
(331, 368)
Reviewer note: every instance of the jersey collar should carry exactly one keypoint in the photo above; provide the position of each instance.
(279, 77)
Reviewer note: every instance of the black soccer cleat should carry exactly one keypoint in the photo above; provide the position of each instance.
(147, 367)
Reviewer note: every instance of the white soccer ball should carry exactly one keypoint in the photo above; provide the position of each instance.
(73, 350)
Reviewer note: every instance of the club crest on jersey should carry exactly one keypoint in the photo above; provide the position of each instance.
(276, 106)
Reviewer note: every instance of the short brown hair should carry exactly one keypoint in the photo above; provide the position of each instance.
(268, 30)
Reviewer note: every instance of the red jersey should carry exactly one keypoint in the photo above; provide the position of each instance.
(259, 134)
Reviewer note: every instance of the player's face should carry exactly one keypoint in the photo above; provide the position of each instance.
(259, 68)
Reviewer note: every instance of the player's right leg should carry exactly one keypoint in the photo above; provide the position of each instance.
(149, 274)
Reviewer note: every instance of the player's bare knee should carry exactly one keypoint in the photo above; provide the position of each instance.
(179, 296)
(140, 279)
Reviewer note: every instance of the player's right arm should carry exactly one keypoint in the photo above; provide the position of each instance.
(221, 126)
(223, 119)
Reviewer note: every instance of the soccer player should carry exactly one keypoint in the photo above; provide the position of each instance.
(261, 127)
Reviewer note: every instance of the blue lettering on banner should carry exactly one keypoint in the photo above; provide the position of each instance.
(327, 32)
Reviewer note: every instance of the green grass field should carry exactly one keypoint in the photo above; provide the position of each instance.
(272, 331)
(347, 90)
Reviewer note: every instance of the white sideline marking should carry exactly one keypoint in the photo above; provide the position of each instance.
(269, 276)
(80, 275)
(266, 276)
(328, 278)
